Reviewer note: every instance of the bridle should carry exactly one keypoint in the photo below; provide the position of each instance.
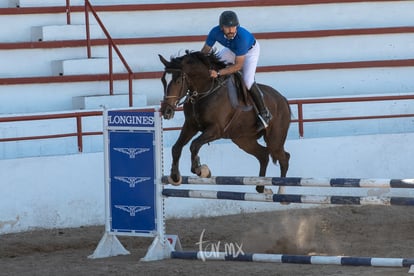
(186, 93)
(182, 92)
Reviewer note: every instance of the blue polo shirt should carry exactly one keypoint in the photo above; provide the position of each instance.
(240, 45)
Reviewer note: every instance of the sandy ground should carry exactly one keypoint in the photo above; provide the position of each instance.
(369, 231)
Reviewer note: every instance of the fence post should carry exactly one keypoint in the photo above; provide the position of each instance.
(68, 12)
(79, 132)
(88, 35)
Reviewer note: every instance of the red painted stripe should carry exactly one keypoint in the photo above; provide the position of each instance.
(338, 65)
(175, 6)
(261, 69)
(199, 38)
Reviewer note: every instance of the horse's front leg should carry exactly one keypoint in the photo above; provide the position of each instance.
(196, 167)
(185, 136)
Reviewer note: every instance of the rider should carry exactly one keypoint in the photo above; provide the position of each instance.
(241, 50)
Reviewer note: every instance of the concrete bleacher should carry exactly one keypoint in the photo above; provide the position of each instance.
(309, 50)
(63, 57)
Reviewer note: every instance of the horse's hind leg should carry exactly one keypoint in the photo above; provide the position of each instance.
(278, 153)
(284, 164)
(251, 146)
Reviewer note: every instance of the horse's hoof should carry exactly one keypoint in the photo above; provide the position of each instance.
(204, 171)
(175, 183)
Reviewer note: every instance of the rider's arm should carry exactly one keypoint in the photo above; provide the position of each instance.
(237, 66)
(206, 49)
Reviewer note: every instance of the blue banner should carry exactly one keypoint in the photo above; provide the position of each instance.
(132, 181)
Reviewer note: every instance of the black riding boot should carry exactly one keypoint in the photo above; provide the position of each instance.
(264, 114)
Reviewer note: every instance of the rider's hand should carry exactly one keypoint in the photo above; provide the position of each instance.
(214, 74)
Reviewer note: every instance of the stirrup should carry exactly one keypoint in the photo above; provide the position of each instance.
(262, 123)
(260, 127)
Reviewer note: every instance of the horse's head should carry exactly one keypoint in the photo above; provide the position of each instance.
(175, 89)
(190, 73)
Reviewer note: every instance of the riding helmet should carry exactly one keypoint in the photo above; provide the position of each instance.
(229, 19)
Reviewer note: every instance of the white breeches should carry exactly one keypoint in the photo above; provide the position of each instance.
(250, 62)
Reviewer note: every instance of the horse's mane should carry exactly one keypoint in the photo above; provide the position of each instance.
(210, 60)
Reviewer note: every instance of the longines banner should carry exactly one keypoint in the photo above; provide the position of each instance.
(132, 172)
(131, 119)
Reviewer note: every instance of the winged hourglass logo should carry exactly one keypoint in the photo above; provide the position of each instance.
(132, 152)
(132, 210)
(132, 180)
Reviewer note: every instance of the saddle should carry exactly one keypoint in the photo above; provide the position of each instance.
(237, 92)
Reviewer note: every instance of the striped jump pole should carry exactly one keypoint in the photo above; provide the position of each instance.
(289, 198)
(298, 181)
(294, 259)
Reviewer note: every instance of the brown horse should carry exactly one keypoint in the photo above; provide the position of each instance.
(215, 108)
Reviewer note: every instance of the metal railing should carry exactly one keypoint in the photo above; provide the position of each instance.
(78, 116)
(300, 103)
(111, 47)
(301, 120)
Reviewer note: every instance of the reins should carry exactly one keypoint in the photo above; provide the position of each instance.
(196, 96)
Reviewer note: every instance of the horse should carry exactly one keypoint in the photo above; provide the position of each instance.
(213, 107)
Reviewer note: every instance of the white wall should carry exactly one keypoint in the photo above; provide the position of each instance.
(68, 191)
(51, 192)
